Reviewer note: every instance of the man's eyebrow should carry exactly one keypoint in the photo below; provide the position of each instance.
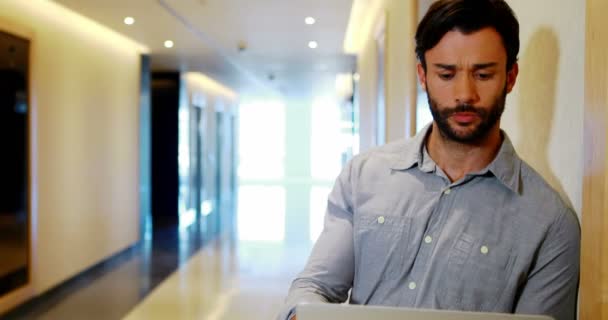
(478, 66)
(450, 67)
(484, 65)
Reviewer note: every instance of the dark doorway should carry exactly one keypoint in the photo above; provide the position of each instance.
(165, 136)
(14, 163)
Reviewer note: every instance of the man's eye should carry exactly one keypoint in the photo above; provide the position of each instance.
(446, 76)
(484, 76)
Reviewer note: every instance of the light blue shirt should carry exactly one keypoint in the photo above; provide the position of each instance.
(399, 233)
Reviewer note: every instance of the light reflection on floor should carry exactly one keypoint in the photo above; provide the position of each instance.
(226, 280)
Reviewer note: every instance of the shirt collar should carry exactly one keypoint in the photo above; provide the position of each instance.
(505, 167)
(412, 152)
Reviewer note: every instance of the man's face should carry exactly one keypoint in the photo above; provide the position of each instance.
(466, 83)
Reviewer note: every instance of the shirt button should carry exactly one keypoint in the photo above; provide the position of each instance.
(428, 239)
(412, 285)
(485, 250)
(380, 220)
(447, 191)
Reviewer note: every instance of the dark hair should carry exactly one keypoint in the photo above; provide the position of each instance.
(468, 16)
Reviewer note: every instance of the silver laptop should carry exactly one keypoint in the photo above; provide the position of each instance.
(352, 312)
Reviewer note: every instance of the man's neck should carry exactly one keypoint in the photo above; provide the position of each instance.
(458, 159)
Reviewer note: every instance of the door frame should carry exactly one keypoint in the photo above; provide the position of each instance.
(23, 293)
(594, 246)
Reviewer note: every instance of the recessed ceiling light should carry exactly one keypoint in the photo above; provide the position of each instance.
(129, 20)
(310, 20)
(168, 44)
(313, 44)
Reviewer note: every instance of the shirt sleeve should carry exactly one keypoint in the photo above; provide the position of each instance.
(552, 284)
(328, 274)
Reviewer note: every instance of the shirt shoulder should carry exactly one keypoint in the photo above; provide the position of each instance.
(543, 201)
(387, 155)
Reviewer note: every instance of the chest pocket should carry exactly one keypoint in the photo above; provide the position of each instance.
(382, 242)
(475, 276)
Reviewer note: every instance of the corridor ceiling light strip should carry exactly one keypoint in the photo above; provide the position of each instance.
(310, 21)
(59, 15)
(313, 45)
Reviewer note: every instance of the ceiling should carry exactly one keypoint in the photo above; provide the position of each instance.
(207, 33)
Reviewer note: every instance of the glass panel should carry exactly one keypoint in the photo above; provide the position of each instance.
(226, 170)
(187, 164)
(14, 185)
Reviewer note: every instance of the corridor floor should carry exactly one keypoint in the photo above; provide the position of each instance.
(226, 281)
(177, 275)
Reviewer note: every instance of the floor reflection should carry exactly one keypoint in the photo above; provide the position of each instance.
(13, 251)
(226, 280)
(110, 290)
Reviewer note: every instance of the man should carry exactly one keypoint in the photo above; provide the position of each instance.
(453, 218)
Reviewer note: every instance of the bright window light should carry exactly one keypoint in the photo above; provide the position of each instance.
(327, 140)
(261, 213)
(423, 113)
(187, 218)
(207, 208)
(262, 140)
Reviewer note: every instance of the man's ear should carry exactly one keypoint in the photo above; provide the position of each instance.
(512, 77)
(421, 75)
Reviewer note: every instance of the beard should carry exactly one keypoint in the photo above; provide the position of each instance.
(472, 133)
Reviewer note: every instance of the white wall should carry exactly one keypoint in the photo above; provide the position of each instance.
(84, 106)
(544, 114)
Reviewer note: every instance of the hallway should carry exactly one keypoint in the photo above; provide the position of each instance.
(177, 275)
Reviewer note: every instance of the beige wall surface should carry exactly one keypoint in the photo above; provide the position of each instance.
(544, 113)
(400, 63)
(84, 104)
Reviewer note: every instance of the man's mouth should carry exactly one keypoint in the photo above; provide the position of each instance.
(465, 117)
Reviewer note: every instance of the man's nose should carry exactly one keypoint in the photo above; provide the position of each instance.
(466, 91)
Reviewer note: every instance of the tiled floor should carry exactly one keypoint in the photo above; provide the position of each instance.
(178, 275)
(226, 281)
(111, 290)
